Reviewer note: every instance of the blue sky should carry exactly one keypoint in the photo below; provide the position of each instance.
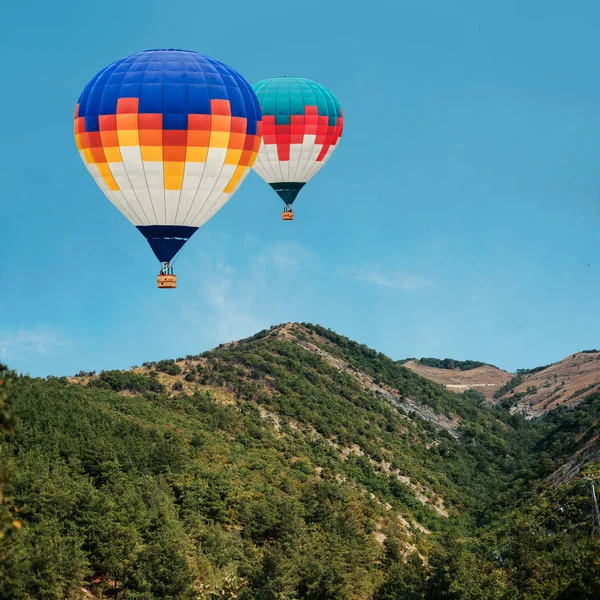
(456, 218)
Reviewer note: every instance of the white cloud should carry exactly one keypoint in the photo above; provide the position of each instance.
(285, 254)
(396, 280)
(236, 302)
(225, 316)
(21, 342)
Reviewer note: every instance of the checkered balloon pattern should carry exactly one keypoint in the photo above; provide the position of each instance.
(302, 124)
(169, 136)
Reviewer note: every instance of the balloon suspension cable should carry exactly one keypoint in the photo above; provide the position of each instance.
(166, 268)
(177, 255)
(288, 208)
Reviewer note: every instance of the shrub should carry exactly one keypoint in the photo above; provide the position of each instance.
(120, 381)
(170, 367)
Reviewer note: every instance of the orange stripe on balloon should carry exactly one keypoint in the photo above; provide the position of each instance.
(220, 107)
(127, 105)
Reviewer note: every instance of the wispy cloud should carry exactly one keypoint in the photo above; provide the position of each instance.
(395, 280)
(235, 302)
(224, 313)
(286, 254)
(21, 342)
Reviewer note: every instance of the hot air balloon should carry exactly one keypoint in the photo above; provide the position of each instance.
(169, 135)
(302, 124)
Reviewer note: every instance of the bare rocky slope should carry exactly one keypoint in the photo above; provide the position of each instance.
(565, 383)
(486, 379)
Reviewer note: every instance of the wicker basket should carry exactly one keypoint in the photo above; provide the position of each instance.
(167, 282)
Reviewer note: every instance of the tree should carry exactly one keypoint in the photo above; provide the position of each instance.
(8, 522)
(405, 581)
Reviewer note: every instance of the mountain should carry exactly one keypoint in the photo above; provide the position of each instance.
(292, 464)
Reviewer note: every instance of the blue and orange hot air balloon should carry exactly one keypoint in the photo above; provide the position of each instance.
(168, 135)
(302, 125)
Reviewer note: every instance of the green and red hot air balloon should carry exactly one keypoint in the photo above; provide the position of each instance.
(302, 124)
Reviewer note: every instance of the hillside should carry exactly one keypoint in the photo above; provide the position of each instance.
(564, 383)
(486, 379)
(293, 464)
(530, 392)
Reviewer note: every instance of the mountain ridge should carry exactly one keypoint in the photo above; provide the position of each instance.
(489, 379)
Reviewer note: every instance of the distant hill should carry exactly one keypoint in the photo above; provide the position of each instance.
(485, 378)
(451, 364)
(530, 392)
(293, 464)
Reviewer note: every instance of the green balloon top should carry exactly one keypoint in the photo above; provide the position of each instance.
(285, 96)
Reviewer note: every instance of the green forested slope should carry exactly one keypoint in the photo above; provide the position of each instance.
(273, 468)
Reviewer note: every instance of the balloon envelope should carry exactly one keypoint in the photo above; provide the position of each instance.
(302, 124)
(168, 135)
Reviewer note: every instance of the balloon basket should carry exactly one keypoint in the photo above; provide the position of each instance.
(287, 215)
(167, 282)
